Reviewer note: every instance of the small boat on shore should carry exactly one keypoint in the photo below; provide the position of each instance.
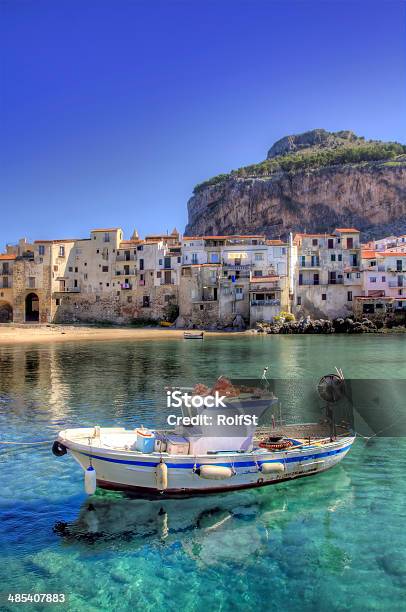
(193, 335)
(199, 458)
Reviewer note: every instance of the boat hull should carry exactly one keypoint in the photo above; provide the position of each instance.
(137, 472)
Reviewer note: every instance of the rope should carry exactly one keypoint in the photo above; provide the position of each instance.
(25, 443)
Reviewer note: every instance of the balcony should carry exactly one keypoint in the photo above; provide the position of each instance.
(164, 282)
(310, 282)
(124, 257)
(128, 286)
(396, 284)
(335, 281)
(308, 265)
(203, 299)
(239, 267)
(129, 272)
(68, 290)
(265, 302)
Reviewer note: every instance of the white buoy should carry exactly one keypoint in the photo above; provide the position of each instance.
(90, 480)
(272, 468)
(161, 475)
(214, 472)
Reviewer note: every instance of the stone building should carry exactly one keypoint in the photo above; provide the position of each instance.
(327, 276)
(101, 278)
(6, 287)
(219, 278)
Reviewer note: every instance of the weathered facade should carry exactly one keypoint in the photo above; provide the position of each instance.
(327, 273)
(220, 276)
(213, 282)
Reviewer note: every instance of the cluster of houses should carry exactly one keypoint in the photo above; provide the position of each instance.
(202, 281)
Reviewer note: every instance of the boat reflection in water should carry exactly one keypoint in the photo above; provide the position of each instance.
(214, 529)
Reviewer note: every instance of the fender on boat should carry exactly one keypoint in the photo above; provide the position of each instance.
(161, 475)
(90, 480)
(214, 472)
(58, 449)
(272, 468)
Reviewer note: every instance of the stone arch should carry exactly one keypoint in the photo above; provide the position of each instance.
(32, 308)
(6, 312)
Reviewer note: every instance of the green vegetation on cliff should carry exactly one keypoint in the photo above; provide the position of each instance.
(352, 151)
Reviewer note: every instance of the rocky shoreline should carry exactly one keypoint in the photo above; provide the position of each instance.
(325, 326)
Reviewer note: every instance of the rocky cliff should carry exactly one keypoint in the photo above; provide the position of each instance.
(311, 182)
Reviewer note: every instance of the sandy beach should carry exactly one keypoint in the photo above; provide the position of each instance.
(16, 334)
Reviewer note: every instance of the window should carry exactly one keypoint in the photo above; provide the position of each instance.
(158, 274)
(339, 257)
(167, 298)
(107, 284)
(75, 282)
(85, 276)
(41, 249)
(97, 251)
(333, 257)
(160, 262)
(257, 273)
(140, 248)
(299, 300)
(194, 258)
(324, 296)
(61, 251)
(349, 296)
(106, 237)
(76, 269)
(57, 302)
(141, 264)
(315, 242)
(145, 301)
(179, 259)
(372, 279)
(55, 268)
(105, 269)
(259, 256)
(350, 243)
(141, 277)
(358, 274)
(70, 269)
(31, 282)
(302, 261)
(383, 279)
(129, 299)
(330, 243)
(97, 298)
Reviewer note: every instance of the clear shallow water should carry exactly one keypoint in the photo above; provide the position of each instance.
(336, 541)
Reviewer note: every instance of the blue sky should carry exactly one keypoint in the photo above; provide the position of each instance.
(111, 111)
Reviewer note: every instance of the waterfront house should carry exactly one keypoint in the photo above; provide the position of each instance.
(327, 274)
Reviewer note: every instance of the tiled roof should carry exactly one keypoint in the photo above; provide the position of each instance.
(222, 237)
(367, 254)
(7, 256)
(264, 279)
(346, 230)
(392, 254)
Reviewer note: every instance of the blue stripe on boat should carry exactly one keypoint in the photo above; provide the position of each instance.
(237, 464)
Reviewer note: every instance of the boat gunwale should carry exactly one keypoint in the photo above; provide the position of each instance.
(258, 454)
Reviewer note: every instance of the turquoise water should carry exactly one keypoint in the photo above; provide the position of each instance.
(335, 541)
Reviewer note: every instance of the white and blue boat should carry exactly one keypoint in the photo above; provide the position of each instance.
(188, 461)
